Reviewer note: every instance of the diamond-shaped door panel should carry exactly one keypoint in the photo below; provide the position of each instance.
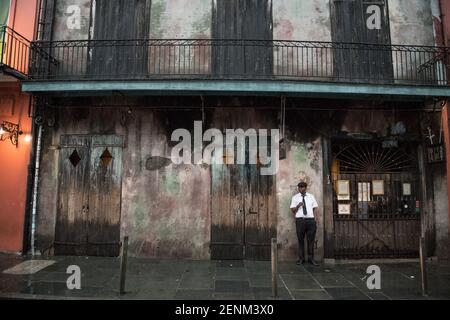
(106, 158)
(75, 158)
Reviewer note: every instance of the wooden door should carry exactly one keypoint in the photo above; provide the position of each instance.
(129, 22)
(243, 212)
(260, 213)
(355, 59)
(71, 216)
(103, 228)
(227, 212)
(236, 20)
(88, 215)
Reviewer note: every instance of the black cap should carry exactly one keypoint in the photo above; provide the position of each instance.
(302, 184)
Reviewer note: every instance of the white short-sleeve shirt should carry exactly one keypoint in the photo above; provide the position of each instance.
(310, 201)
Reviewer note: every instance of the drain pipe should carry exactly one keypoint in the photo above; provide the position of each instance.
(35, 190)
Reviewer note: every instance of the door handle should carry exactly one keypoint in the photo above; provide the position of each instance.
(85, 209)
(250, 211)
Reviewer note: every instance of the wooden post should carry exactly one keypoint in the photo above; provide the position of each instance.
(274, 268)
(423, 267)
(123, 264)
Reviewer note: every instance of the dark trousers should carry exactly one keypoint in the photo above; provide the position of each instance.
(306, 227)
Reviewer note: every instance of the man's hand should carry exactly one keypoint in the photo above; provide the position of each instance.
(294, 210)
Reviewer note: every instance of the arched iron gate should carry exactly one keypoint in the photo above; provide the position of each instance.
(376, 203)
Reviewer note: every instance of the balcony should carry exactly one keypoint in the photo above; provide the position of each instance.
(14, 53)
(149, 63)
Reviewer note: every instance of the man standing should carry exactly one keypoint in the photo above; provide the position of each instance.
(304, 206)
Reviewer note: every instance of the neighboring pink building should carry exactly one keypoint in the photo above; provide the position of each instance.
(14, 109)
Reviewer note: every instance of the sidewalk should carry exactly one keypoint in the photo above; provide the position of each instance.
(221, 280)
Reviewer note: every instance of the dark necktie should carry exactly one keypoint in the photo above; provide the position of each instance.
(304, 206)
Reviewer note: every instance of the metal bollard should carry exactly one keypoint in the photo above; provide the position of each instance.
(423, 267)
(274, 268)
(123, 264)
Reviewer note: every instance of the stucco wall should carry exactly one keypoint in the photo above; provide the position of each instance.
(13, 168)
(303, 163)
(411, 22)
(181, 19)
(14, 161)
(440, 204)
(165, 211)
(302, 21)
(22, 16)
(172, 19)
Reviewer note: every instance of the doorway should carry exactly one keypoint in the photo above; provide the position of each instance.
(376, 200)
(243, 212)
(89, 195)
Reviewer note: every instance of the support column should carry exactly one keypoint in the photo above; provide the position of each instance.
(446, 130)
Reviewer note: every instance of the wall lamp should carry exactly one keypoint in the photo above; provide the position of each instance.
(11, 131)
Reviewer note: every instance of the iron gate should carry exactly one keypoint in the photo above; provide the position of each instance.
(376, 205)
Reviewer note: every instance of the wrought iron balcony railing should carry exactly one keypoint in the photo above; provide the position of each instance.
(14, 53)
(147, 59)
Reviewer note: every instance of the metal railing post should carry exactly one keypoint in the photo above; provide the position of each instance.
(49, 54)
(2, 33)
(423, 267)
(123, 264)
(9, 42)
(274, 268)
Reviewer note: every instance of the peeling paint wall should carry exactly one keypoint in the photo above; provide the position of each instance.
(411, 22)
(165, 211)
(177, 19)
(302, 21)
(438, 191)
(438, 24)
(440, 203)
(303, 163)
(180, 19)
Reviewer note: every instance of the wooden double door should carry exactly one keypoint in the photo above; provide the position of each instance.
(243, 207)
(89, 193)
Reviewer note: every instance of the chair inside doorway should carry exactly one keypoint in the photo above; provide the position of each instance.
(376, 206)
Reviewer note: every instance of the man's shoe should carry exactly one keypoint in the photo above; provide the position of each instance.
(299, 262)
(313, 263)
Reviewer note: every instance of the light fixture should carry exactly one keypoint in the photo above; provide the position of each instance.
(11, 131)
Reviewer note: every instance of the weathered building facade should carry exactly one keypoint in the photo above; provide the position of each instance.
(354, 88)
